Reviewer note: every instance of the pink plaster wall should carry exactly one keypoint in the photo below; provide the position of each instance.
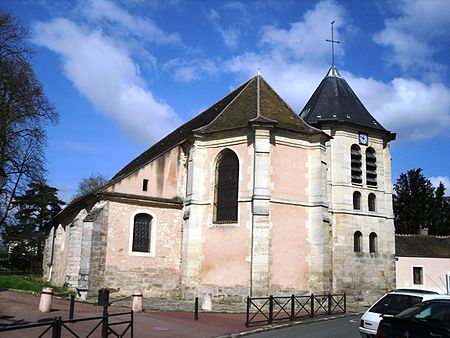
(289, 173)
(288, 267)
(226, 247)
(155, 276)
(161, 174)
(225, 252)
(434, 270)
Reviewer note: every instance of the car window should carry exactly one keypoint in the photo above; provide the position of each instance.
(393, 303)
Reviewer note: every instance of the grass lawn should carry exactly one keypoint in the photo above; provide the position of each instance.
(26, 282)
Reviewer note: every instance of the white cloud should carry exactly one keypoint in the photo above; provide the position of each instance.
(98, 10)
(305, 40)
(436, 180)
(190, 70)
(414, 35)
(103, 72)
(229, 35)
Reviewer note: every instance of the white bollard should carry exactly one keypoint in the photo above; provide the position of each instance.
(137, 302)
(207, 302)
(45, 304)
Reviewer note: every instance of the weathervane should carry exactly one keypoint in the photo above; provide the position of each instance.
(332, 42)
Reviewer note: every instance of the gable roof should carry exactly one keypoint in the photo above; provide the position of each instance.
(335, 101)
(235, 110)
(422, 246)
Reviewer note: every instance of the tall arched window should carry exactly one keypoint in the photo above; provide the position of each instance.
(226, 188)
(357, 241)
(142, 230)
(357, 200)
(356, 164)
(373, 242)
(371, 167)
(372, 202)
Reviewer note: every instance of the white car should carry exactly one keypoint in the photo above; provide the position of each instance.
(391, 304)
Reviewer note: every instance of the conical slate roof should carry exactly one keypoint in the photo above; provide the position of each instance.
(236, 110)
(334, 101)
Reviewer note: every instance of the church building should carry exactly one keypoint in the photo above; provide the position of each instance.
(247, 198)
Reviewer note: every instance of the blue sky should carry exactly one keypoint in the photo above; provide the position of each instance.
(122, 74)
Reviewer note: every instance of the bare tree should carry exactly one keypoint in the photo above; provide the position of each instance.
(90, 183)
(24, 113)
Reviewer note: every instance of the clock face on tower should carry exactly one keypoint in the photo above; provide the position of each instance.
(363, 139)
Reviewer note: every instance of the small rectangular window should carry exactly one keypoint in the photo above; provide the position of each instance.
(144, 184)
(418, 275)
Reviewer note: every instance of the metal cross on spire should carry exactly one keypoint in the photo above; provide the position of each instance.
(333, 41)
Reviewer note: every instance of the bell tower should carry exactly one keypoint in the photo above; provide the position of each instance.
(359, 189)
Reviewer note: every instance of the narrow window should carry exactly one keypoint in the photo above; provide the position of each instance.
(371, 167)
(357, 239)
(142, 233)
(356, 164)
(226, 188)
(372, 200)
(144, 185)
(373, 242)
(357, 200)
(418, 274)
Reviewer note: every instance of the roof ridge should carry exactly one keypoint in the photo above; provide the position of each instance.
(225, 108)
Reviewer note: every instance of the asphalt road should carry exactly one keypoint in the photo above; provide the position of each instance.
(334, 328)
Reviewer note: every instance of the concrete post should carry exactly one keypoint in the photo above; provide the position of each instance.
(137, 302)
(45, 304)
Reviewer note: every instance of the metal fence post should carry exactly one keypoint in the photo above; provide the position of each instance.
(56, 332)
(345, 303)
(196, 309)
(72, 306)
(105, 322)
(248, 313)
(132, 324)
(292, 307)
(312, 305)
(329, 303)
(270, 309)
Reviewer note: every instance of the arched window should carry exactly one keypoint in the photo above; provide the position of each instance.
(357, 241)
(357, 200)
(226, 188)
(373, 242)
(142, 230)
(371, 167)
(372, 202)
(356, 164)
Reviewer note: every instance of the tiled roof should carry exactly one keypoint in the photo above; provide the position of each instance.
(235, 110)
(422, 246)
(179, 134)
(334, 101)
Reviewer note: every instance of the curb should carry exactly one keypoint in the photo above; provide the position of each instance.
(285, 325)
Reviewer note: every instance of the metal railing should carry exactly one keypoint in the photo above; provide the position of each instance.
(267, 310)
(59, 327)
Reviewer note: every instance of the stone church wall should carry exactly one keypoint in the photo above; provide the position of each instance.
(155, 275)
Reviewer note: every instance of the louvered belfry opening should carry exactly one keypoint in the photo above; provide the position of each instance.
(226, 188)
(356, 164)
(371, 167)
(142, 233)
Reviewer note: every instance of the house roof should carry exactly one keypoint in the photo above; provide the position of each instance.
(334, 101)
(422, 246)
(234, 111)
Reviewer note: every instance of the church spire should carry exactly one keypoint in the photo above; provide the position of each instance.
(332, 41)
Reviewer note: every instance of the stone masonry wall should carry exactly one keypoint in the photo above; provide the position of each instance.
(156, 274)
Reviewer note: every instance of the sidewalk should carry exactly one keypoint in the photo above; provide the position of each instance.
(16, 307)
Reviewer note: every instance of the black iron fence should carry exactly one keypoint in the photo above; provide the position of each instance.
(100, 326)
(267, 310)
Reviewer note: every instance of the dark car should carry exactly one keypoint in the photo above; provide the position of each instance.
(428, 319)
